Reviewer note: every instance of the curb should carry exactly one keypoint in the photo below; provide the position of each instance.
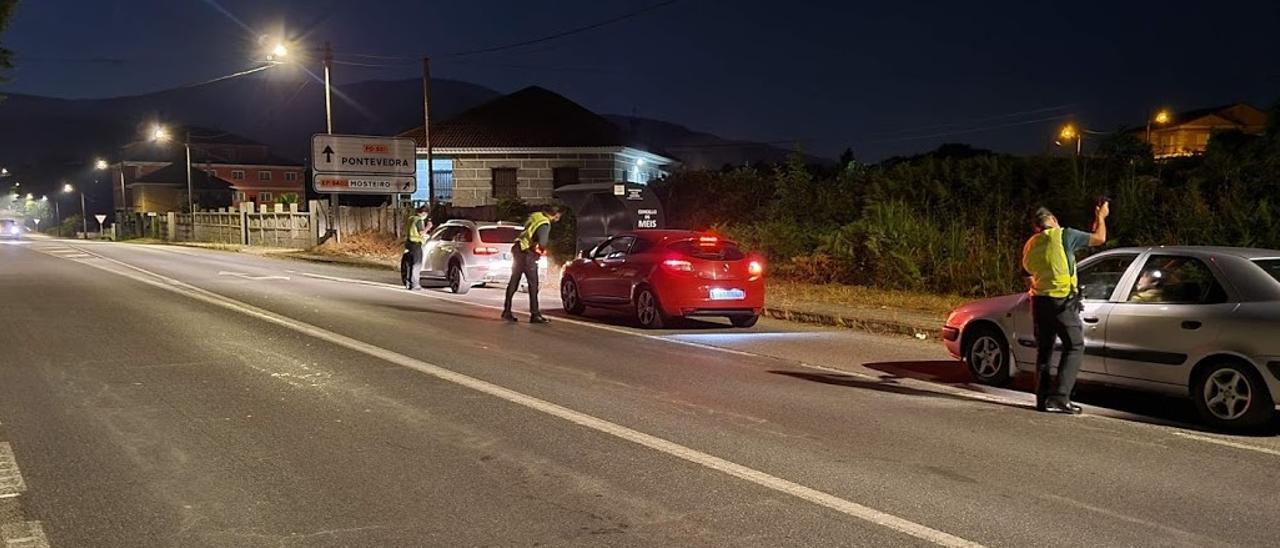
(879, 327)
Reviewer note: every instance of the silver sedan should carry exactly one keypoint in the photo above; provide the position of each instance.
(1200, 322)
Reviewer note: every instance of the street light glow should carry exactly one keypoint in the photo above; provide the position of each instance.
(66, 187)
(100, 164)
(160, 134)
(1068, 133)
(1163, 117)
(30, 197)
(279, 51)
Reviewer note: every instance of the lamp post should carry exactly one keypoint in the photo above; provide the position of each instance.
(84, 223)
(161, 135)
(1161, 117)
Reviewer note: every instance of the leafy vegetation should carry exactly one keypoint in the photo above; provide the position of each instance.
(953, 221)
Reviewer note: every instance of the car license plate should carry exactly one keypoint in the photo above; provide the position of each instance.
(721, 294)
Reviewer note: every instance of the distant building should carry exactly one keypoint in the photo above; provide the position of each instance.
(1187, 133)
(155, 177)
(525, 145)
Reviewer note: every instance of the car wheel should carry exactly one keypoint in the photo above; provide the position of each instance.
(569, 297)
(1232, 396)
(457, 281)
(987, 355)
(648, 311)
(744, 321)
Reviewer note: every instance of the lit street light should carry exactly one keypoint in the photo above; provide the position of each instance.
(84, 223)
(160, 134)
(100, 164)
(1161, 117)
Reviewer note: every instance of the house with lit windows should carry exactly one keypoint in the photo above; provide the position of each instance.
(1178, 134)
(524, 146)
(227, 170)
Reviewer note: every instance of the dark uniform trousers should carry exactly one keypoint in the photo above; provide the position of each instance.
(411, 265)
(523, 263)
(1057, 320)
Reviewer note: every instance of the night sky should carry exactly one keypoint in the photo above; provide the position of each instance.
(882, 77)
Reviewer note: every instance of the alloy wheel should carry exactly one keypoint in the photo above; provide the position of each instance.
(1227, 394)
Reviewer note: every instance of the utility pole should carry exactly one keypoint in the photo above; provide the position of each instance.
(191, 207)
(328, 118)
(426, 131)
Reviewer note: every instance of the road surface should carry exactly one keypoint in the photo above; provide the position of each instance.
(166, 396)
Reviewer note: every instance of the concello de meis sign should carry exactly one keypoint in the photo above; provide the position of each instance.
(363, 164)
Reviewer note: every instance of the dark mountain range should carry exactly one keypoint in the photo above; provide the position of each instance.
(45, 139)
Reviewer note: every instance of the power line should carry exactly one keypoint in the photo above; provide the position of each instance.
(975, 120)
(970, 130)
(564, 33)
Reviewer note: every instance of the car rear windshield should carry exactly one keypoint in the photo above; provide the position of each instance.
(500, 235)
(1272, 266)
(719, 251)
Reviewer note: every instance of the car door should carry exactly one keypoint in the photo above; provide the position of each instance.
(1165, 316)
(438, 249)
(617, 271)
(595, 277)
(1100, 279)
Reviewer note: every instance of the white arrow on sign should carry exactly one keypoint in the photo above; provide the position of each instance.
(251, 277)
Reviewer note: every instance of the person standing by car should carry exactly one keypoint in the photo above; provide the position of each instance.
(415, 234)
(1049, 257)
(529, 247)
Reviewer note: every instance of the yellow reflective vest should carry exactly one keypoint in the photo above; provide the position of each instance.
(1045, 258)
(411, 230)
(536, 220)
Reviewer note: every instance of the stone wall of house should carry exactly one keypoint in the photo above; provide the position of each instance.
(473, 174)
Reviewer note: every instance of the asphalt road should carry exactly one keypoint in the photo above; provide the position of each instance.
(164, 396)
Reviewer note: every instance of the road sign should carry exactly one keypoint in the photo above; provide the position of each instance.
(100, 217)
(363, 184)
(360, 164)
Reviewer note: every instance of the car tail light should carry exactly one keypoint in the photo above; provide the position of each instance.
(708, 240)
(485, 250)
(755, 268)
(678, 265)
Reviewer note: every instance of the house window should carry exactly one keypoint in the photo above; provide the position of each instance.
(562, 176)
(504, 182)
(264, 175)
(264, 197)
(237, 174)
(241, 197)
(211, 173)
(291, 176)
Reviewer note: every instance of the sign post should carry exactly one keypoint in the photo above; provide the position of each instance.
(100, 217)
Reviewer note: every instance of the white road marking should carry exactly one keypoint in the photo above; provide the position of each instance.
(252, 277)
(11, 484)
(1228, 443)
(661, 445)
(27, 534)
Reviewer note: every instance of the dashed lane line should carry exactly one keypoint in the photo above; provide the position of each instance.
(757, 477)
(27, 534)
(11, 484)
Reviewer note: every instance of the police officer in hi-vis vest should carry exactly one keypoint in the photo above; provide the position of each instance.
(1049, 256)
(416, 228)
(529, 247)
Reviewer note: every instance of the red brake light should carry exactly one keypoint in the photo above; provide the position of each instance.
(485, 250)
(678, 265)
(708, 240)
(755, 268)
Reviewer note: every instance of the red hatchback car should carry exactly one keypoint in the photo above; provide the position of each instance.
(667, 274)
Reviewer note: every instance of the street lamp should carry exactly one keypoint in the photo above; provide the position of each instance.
(1069, 133)
(1161, 117)
(100, 164)
(84, 223)
(161, 134)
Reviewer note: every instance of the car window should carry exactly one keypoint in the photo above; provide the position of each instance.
(463, 235)
(615, 248)
(500, 235)
(718, 250)
(438, 234)
(1170, 279)
(1099, 278)
(1271, 266)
